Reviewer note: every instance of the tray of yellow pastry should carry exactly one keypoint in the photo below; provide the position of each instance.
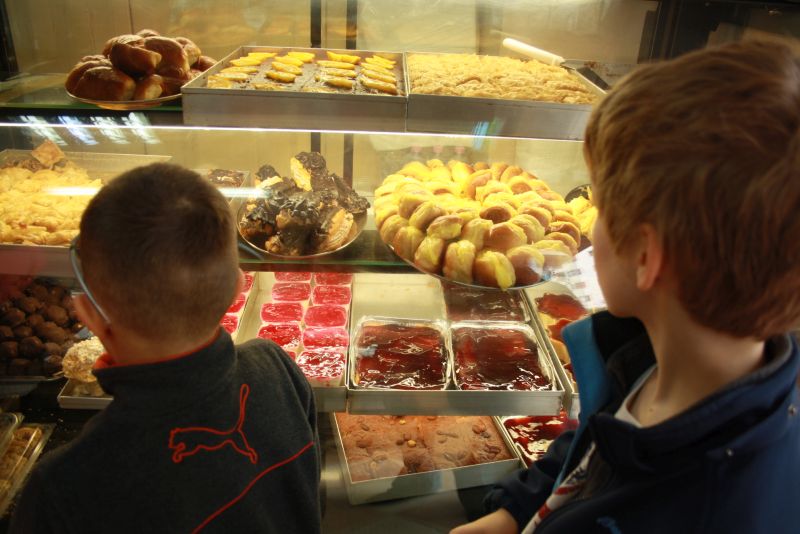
(494, 95)
(43, 193)
(489, 225)
(300, 88)
(126, 105)
(306, 214)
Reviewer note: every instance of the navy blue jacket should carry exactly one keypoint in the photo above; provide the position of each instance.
(729, 464)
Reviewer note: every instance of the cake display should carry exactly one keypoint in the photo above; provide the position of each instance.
(291, 291)
(323, 367)
(321, 338)
(312, 212)
(142, 66)
(497, 358)
(487, 225)
(534, 434)
(382, 446)
(471, 75)
(325, 315)
(333, 279)
(282, 312)
(331, 295)
(313, 71)
(400, 356)
(287, 335)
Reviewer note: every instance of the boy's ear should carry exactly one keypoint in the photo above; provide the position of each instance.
(89, 315)
(650, 258)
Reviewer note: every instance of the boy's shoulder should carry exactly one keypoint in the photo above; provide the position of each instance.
(265, 358)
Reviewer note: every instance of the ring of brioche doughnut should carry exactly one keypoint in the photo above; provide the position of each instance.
(459, 260)
(503, 236)
(409, 202)
(497, 169)
(384, 213)
(531, 226)
(476, 180)
(391, 226)
(476, 231)
(406, 241)
(460, 171)
(537, 212)
(508, 198)
(566, 216)
(556, 253)
(492, 268)
(550, 195)
(565, 227)
(467, 214)
(567, 239)
(446, 227)
(424, 214)
(498, 213)
(429, 254)
(510, 172)
(484, 191)
(528, 262)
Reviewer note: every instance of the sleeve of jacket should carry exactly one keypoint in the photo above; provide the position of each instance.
(522, 493)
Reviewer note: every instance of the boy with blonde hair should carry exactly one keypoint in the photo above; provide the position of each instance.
(201, 435)
(689, 407)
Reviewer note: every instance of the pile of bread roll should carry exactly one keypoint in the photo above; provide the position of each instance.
(491, 225)
(140, 66)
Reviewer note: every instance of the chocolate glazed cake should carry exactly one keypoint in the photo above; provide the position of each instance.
(311, 212)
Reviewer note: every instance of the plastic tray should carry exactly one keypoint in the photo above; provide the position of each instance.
(20, 460)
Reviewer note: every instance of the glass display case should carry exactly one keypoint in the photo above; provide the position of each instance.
(364, 140)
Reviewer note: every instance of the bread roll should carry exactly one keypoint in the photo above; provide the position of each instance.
(147, 33)
(458, 261)
(566, 216)
(391, 226)
(406, 241)
(429, 254)
(476, 180)
(173, 84)
(105, 83)
(492, 268)
(416, 169)
(520, 185)
(551, 195)
(446, 227)
(424, 214)
(497, 169)
(565, 227)
(384, 213)
(149, 88)
(460, 171)
(567, 239)
(174, 61)
(410, 201)
(192, 50)
(77, 71)
(538, 212)
(504, 236)
(483, 191)
(475, 231)
(531, 226)
(204, 63)
(466, 214)
(528, 262)
(508, 198)
(133, 60)
(128, 39)
(510, 172)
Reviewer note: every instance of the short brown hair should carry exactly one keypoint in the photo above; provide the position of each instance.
(706, 148)
(158, 247)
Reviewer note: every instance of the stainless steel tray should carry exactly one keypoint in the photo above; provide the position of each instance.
(571, 397)
(494, 116)
(70, 399)
(328, 399)
(44, 260)
(293, 109)
(410, 485)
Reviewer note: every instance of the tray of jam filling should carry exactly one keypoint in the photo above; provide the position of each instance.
(406, 366)
(396, 456)
(300, 88)
(554, 307)
(286, 310)
(533, 434)
(464, 303)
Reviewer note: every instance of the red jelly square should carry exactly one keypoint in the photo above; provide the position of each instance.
(291, 291)
(289, 276)
(333, 279)
(314, 338)
(282, 312)
(331, 295)
(248, 281)
(238, 303)
(534, 434)
(230, 323)
(287, 335)
(326, 315)
(322, 367)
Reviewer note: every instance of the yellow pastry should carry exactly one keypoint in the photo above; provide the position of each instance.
(446, 227)
(344, 58)
(290, 60)
(286, 77)
(284, 67)
(379, 85)
(379, 77)
(424, 214)
(391, 226)
(409, 202)
(494, 269)
(246, 62)
(335, 81)
(261, 56)
(246, 70)
(305, 57)
(476, 231)
(341, 73)
(218, 82)
(336, 64)
(406, 241)
(384, 213)
(458, 261)
(429, 254)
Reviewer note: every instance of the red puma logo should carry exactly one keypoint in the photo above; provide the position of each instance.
(189, 441)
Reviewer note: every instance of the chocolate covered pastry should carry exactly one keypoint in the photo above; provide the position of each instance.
(311, 212)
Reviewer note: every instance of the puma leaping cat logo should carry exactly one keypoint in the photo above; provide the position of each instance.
(191, 440)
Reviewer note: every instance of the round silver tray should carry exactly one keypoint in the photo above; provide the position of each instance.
(126, 105)
(546, 275)
(359, 219)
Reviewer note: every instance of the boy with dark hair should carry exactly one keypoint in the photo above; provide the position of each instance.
(689, 412)
(202, 434)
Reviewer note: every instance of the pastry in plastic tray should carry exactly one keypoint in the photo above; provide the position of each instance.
(290, 276)
(287, 335)
(333, 279)
(282, 312)
(325, 315)
(380, 446)
(400, 356)
(19, 456)
(320, 338)
(475, 304)
(487, 225)
(557, 310)
(323, 367)
(497, 358)
(291, 291)
(533, 434)
(340, 295)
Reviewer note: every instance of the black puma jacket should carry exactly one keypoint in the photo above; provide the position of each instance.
(221, 440)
